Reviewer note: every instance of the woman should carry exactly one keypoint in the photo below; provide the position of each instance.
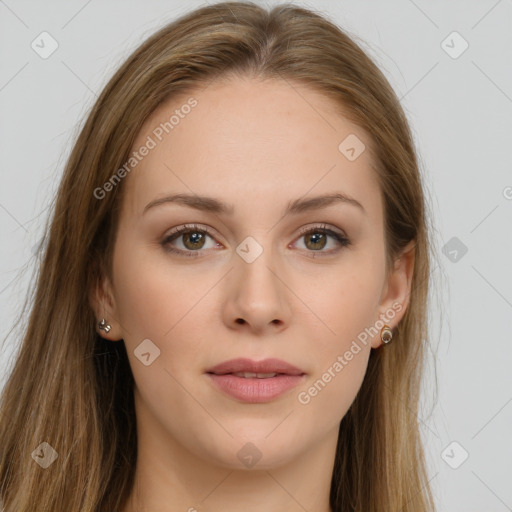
(231, 307)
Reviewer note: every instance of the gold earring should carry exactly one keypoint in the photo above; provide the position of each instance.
(386, 334)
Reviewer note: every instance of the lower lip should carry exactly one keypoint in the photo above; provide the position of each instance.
(255, 390)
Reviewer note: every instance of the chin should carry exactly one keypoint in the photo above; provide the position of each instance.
(252, 451)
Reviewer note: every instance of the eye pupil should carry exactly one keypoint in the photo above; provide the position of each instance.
(194, 237)
(319, 238)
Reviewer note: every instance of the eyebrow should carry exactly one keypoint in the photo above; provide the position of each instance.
(212, 205)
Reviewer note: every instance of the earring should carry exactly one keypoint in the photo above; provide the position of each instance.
(103, 326)
(386, 334)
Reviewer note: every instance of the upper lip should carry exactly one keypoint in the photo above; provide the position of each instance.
(249, 365)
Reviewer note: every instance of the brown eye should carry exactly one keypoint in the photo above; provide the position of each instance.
(193, 240)
(316, 240)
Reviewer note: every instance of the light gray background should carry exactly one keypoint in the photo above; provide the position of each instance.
(461, 114)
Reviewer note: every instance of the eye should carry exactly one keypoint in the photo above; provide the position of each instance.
(194, 239)
(317, 238)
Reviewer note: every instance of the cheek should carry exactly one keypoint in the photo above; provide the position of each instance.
(348, 310)
(344, 301)
(157, 303)
(152, 296)
(347, 307)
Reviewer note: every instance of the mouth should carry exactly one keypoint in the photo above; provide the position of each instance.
(248, 368)
(251, 381)
(250, 375)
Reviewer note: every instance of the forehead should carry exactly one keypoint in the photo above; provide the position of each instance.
(248, 141)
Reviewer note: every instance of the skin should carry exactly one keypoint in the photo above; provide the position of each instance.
(256, 145)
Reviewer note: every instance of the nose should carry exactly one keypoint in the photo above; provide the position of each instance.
(257, 298)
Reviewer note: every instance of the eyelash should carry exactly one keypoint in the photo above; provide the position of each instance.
(192, 228)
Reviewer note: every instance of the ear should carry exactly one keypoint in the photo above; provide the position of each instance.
(101, 298)
(396, 291)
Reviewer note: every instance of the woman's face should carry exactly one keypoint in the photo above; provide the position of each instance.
(250, 160)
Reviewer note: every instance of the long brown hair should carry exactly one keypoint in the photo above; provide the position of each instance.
(74, 390)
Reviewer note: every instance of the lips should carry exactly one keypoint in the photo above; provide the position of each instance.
(248, 366)
(251, 381)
